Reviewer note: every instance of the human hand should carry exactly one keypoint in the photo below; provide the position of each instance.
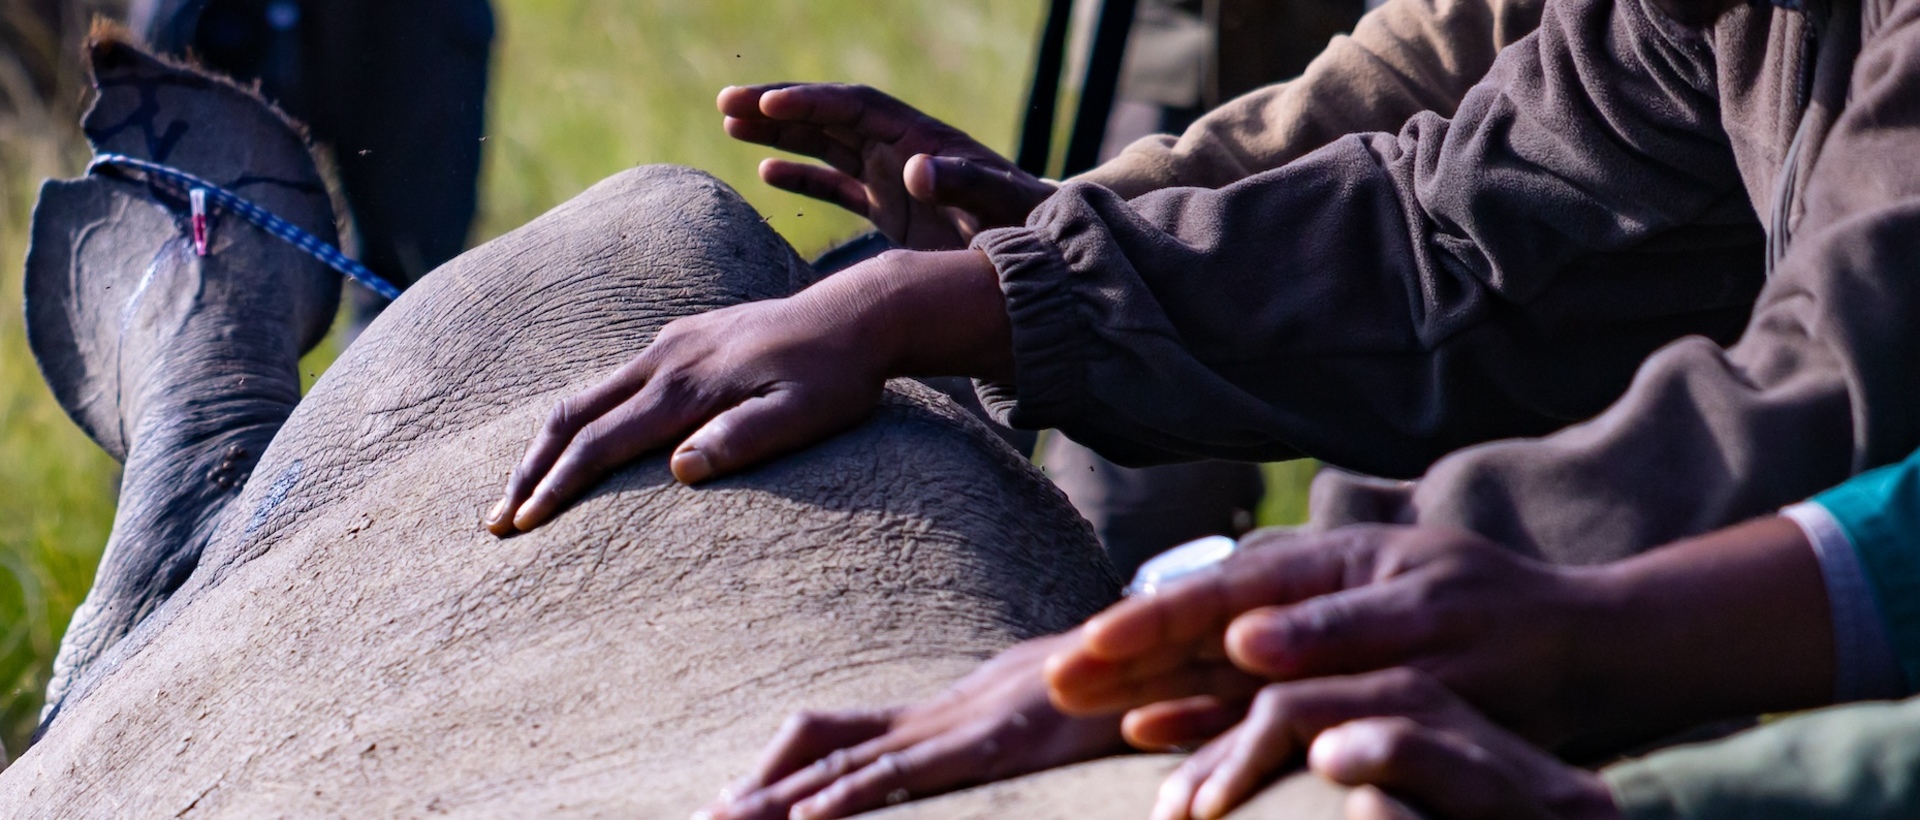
(757, 380)
(923, 183)
(1411, 747)
(1505, 631)
(995, 723)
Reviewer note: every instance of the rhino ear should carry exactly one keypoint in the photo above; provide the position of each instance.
(154, 109)
(92, 248)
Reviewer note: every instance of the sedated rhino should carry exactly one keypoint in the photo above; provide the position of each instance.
(298, 612)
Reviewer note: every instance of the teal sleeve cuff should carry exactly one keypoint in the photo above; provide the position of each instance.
(1880, 512)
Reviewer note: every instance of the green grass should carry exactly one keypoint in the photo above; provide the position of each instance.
(582, 89)
(56, 487)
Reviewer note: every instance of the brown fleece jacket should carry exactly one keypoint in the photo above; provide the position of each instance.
(1615, 182)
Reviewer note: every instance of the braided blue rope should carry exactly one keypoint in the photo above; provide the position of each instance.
(184, 183)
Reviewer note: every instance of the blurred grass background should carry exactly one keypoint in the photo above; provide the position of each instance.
(581, 89)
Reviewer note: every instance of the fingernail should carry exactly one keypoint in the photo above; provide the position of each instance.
(499, 509)
(691, 466)
(1171, 804)
(531, 513)
(1210, 801)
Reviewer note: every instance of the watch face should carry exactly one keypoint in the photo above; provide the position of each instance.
(1179, 562)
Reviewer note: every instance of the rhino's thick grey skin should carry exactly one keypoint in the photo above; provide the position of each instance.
(352, 643)
(182, 367)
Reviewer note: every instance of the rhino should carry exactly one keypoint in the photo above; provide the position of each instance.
(298, 612)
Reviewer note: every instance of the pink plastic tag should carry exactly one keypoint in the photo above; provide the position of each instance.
(198, 198)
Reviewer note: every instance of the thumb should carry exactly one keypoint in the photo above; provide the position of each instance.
(995, 193)
(751, 432)
(1353, 630)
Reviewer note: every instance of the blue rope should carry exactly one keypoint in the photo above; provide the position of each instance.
(184, 183)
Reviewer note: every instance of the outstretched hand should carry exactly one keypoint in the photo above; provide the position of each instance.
(996, 723)
(923, 183)
(1501, 629)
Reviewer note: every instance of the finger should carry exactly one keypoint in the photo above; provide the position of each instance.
(1369, 803)
(645, 422)
(1285, 717)
(999, 195)
(825, 184)
(1154, 637)
(1219, 680)
(1174, 801)
(1261, 747)
(805, 781)
(942, 764)
(1092, 674)
(743, 101)
(1184, 723)
(800, 139)
(759, 429)
(1202, 604)
(807, 737)
(866, 112)
(1439, 771)
(1370, 627)
(562, 424)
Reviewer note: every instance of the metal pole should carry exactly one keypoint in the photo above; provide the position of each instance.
(1036, 133)
(1103, 81)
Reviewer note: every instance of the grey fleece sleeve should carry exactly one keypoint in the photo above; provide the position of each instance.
(1389, 298)
(1820, 386)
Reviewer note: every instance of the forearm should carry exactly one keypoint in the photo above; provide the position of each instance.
(1732, 623)
(924, 313)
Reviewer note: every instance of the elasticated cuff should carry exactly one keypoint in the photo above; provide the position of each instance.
(1049, 371)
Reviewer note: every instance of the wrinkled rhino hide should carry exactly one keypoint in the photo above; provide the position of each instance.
(354, 644)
